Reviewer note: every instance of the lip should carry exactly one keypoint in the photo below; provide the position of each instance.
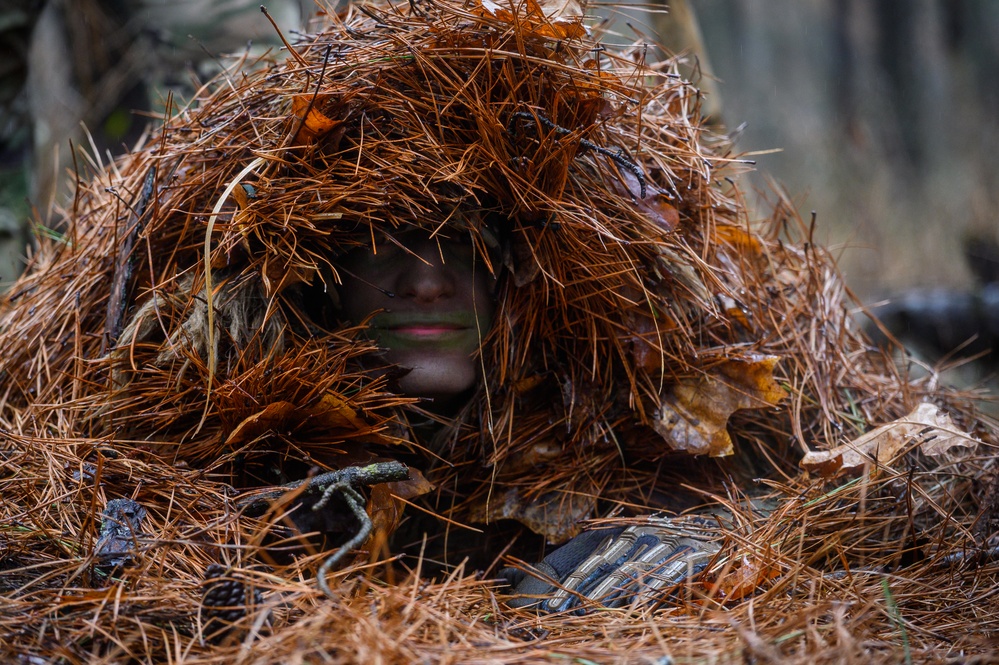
(425, 330)
(423, 322)
(439, 330)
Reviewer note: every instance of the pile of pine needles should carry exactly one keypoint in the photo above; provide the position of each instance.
(173, 334)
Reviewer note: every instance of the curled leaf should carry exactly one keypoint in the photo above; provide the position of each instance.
(927, 428)
(694, 414)
(330, 413)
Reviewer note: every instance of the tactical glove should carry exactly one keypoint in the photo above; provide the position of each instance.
(615, 567)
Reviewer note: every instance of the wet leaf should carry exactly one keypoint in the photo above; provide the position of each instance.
(655, 204)
(694, 414)
(680, 269)
(927, 427)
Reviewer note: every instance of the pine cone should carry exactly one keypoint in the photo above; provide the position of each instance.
(225, 600)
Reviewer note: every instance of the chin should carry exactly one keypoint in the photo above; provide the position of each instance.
(437, 377)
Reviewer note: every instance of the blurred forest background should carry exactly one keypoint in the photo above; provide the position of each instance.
(886, 112)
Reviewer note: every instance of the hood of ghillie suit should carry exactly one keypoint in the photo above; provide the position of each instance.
(184, 309)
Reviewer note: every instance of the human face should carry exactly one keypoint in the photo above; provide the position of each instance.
(434, 304)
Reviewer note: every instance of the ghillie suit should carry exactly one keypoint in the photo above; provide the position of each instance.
(178, 345)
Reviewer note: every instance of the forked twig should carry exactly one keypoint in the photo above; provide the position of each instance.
(618, 157)
(345, 481)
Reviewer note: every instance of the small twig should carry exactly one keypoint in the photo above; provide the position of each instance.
(618, 157)
(351, 476)
(124, 262)
(356, 503)
(288, 46)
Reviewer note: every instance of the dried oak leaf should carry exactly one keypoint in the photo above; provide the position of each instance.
(927, 428)
(694, 413)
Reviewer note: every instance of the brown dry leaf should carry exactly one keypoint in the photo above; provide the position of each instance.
(655, 204)
(927, 427)
(561, 19)
(555, 515)
(527, 384)
(331, 413)
(274, 416)
(334, 412)
(741, 579)
(658, 208)
(694, 414)
(277, 275)
(315, 122)
(387, 501)
(644, 339)
(519, 259)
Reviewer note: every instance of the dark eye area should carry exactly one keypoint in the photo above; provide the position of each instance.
(457, 250)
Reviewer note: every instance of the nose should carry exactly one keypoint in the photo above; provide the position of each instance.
(423, 277)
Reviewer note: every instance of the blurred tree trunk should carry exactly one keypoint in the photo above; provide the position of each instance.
(888, 114)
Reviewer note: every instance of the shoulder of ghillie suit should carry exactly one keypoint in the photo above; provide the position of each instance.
(636, 309)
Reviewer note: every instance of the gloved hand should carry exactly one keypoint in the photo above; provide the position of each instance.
(614, 567)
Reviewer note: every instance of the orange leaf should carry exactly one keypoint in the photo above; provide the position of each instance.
(315, 122)
(694, 414)
(739, 238)
(743, 578)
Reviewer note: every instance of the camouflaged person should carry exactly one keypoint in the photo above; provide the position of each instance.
(522, 294)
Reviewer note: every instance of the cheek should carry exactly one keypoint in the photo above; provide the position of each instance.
(353, 307)
(362, 291)
(483, 300)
